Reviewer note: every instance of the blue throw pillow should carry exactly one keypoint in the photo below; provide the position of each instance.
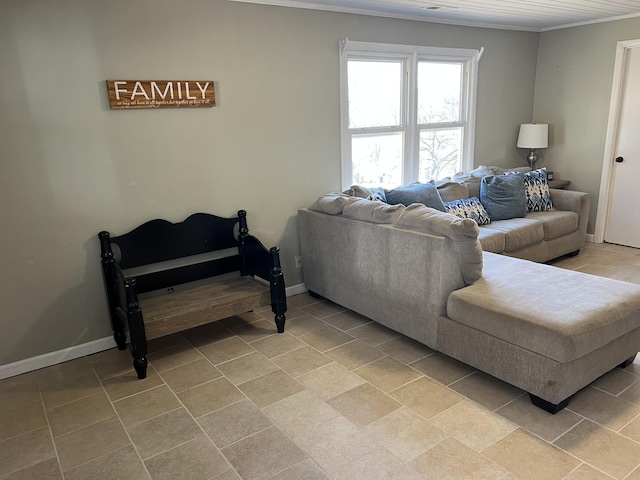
(503, 196)
(537, 191)
(468, 208)
(425, 193)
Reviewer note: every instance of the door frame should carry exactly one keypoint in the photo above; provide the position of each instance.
(604, 198)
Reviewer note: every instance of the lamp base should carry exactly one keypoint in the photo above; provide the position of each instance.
(532, 158)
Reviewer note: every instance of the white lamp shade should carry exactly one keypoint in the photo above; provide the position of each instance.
(533, 135)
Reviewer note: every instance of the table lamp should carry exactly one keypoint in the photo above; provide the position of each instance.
(532, 136)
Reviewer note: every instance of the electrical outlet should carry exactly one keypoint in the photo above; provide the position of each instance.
(298, 261)
(170, 290)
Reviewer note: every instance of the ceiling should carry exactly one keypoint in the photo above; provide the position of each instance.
(530, 15)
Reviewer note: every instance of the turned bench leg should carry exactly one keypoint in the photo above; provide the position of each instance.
(140, 365)
(278, 293)
(280, 319)
(136, 329)
(110, 276)
(121, 339)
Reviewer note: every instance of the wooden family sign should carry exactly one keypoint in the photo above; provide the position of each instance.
(126, 94)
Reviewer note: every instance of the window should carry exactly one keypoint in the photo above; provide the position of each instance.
(407, 112)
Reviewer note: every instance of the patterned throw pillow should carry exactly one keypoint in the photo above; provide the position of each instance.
(468, 208)
(537, 191)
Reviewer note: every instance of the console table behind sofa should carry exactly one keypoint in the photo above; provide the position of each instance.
(194, 272)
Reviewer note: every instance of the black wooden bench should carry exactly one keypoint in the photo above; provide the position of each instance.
(203, 269)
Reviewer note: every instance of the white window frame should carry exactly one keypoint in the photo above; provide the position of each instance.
(410, 56)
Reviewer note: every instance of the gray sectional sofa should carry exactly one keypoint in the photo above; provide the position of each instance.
(429, 275)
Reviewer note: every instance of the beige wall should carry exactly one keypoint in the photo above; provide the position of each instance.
(71, 167)
(573, 91)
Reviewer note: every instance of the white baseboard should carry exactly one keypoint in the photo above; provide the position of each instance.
(591, 238)
(296, 289)
(77, 351)
(53, 358)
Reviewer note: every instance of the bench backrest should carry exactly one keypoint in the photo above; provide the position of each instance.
(160, 241)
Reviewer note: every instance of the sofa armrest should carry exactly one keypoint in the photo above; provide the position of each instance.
(572, 201)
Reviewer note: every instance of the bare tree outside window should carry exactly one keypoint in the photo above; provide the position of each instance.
(439, 107)
(439, 153)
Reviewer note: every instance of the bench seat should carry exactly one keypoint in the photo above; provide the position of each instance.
(167, 314)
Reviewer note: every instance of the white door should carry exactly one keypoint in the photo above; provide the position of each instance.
(623, 219)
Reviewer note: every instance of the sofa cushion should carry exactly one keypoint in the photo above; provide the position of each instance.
(428, 220)
(331, 203)
(558, 313)
(556, 223)
(450, 191)
(371, 211)
(472, 179)
(537, 191)
(425, 193)
(492, 240)
(518, 232)
(462, 232)
(503, 196)
(468, 208)
(372, 193)
(357, 191)
(478, 172)
(473, 185)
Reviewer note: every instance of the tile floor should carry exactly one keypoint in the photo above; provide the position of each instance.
(335, 397)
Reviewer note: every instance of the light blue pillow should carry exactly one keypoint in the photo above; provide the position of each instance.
(503, 196)
(425, 193)
(377, 194)
(468, 208)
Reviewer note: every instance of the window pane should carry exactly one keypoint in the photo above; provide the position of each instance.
(374, 93)
(439, 87)
(377, 160)
(439, 153)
